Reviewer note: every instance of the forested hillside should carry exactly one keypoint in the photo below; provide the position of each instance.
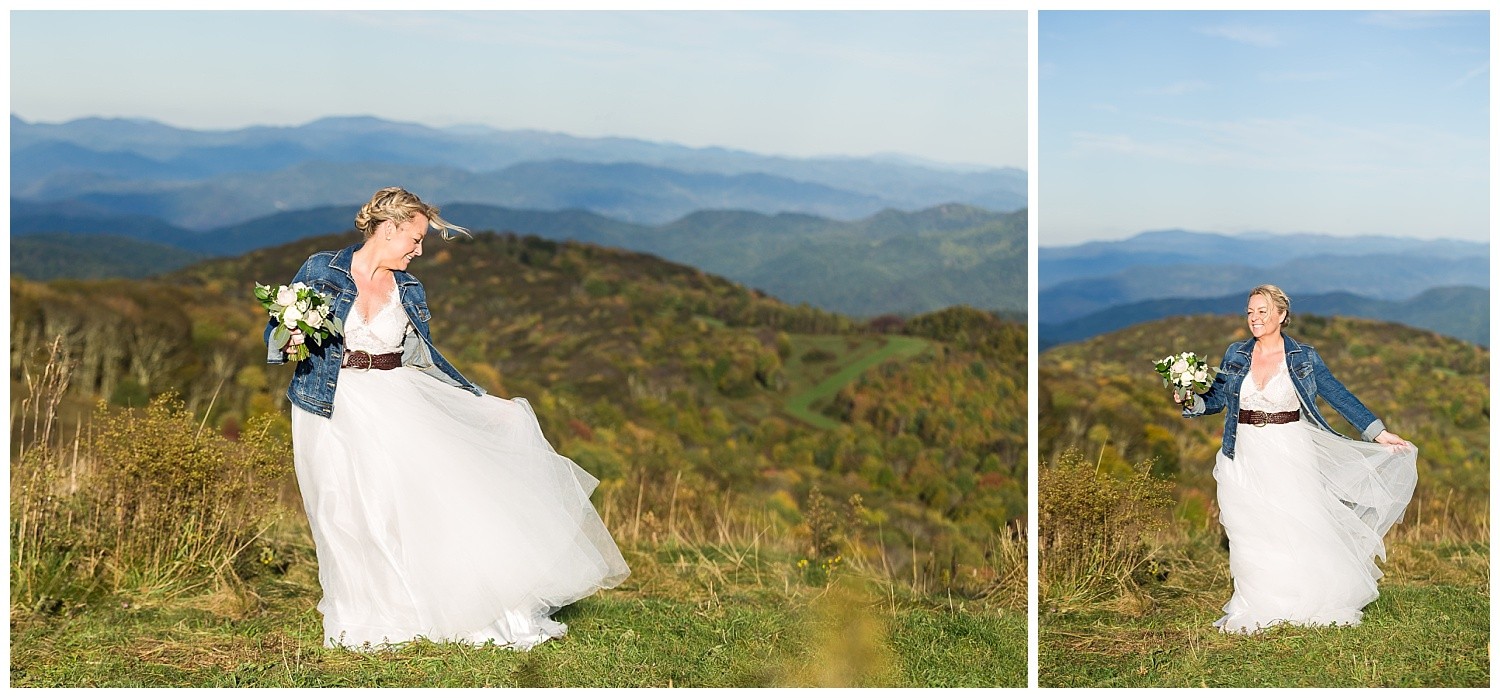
(1102, 397)
(669, 384)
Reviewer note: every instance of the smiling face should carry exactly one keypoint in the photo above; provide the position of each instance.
(1263, 317)
(405, 243)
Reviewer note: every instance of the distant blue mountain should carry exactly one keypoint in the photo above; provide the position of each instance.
(1160, 248)
(891, 262)
(207, 179)
(1462, 312)
(1080, 280)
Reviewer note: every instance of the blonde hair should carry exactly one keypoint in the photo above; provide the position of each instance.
(1277, 297)
(398, 206)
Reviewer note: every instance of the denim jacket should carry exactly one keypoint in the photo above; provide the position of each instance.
(316, 377)
(1310, 377)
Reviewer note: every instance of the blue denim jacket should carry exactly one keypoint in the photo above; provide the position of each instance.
(1310, 376)
(316, 377)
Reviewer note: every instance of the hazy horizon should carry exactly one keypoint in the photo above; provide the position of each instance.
(949, 87)
(959, 166)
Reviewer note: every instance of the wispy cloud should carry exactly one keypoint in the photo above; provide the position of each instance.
(1295, 145)
(1244, 34)
(1300, 76)
(1180, 87)
(1481, 69)
(1415, 19)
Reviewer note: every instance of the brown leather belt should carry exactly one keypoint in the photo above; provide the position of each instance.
(1261, 419)
(360, 358)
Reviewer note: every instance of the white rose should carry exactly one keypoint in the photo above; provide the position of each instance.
(1201, 376)
(286, 296)
(290, 316)
(1180, 367)
(299, 286)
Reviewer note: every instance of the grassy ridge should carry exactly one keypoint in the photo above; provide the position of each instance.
(713, 616)
(670, 385)
(1430, 627)
(1133, 571)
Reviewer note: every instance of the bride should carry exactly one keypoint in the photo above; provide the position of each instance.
(1305, 508)
(437, 512)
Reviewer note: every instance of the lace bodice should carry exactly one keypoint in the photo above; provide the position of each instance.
(1278, 396)
(381, 334)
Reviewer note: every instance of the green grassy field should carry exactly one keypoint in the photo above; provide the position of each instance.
(1430, 627)
(813, 382)
(685, 618)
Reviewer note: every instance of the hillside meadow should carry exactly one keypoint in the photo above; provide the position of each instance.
(804, 499)
(1134, 566)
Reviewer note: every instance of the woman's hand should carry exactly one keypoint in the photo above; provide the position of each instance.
(1178, 399)
(291, 344)
(1390, 439)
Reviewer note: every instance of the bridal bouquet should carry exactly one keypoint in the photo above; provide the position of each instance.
(1187, 374)
(298, 306)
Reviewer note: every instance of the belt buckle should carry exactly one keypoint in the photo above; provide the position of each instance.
(1260, 419)
(354, 358)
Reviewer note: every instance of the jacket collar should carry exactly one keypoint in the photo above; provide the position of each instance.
(1289, 345)
(343, 260)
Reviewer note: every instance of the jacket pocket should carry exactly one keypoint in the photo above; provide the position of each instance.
(1234, 368)
(418, 312)
(1303, 370)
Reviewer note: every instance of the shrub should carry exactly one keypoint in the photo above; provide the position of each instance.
(1092, 526)
(152, 505)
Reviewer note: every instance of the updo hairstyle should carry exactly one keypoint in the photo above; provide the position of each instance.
(399, 206)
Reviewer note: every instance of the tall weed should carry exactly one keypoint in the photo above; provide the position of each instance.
(1093, 525)
(147, 505)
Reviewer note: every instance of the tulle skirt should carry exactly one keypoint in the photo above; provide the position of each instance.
(1306, 511)
(441, 515)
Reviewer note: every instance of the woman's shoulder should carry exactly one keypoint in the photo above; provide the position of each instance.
(1238, 347)
(1304, 346)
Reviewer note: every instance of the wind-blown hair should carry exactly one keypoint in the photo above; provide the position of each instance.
(399, 206)
(1278, 299)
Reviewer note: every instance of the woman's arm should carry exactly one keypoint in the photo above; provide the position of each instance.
(1341, 400)
(1216, 397)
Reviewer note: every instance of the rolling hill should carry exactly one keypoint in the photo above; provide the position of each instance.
(673, 386)
(891, 262)
(1101, 397)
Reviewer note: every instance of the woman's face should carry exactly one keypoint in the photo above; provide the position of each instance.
(405, 243)
(1262, 316)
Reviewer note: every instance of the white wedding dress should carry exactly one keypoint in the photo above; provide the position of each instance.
(438, 514)
(1305, 511)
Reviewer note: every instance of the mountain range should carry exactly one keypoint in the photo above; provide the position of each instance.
(1461, 312)
(207, 179)
(891, 262)
(1095, 287)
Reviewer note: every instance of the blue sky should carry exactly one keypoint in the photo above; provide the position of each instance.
(944, 86)
(1333, 122)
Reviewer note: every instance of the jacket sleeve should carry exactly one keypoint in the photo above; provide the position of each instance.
(274, 355)
(1217, 397)
(1339, 398)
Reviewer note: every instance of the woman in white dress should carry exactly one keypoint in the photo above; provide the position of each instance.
(437, 511)
(1305, 508)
